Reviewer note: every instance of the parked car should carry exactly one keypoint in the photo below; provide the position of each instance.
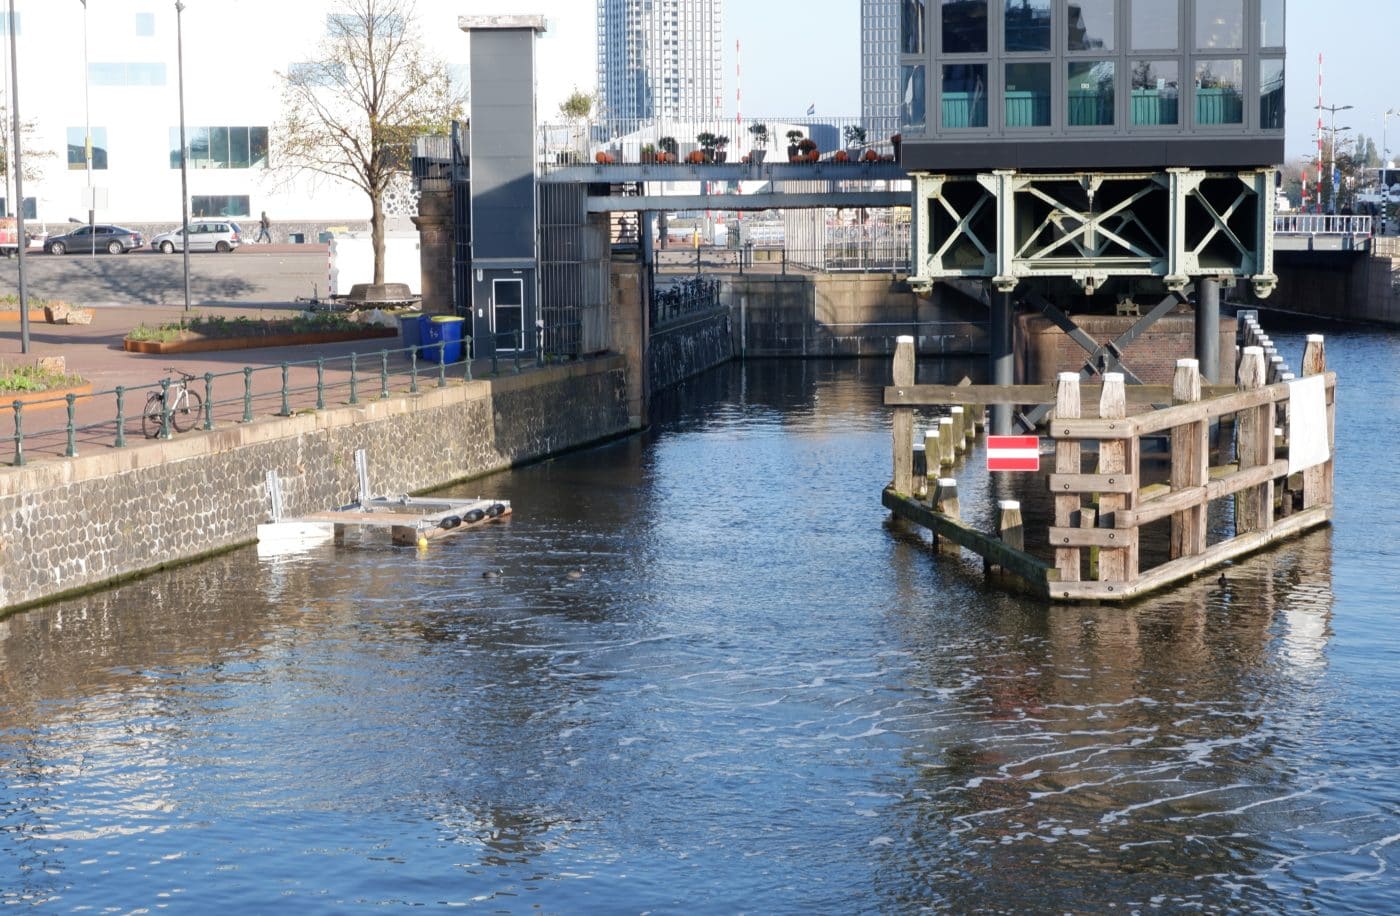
(113, 239)
(219, 235)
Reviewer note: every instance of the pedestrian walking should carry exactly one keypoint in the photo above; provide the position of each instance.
(263, 226)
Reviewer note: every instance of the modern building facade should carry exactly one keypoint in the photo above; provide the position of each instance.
(661, 59)
(879, 65)
(111, 71)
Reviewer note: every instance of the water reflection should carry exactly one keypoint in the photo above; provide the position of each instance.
(760, 694)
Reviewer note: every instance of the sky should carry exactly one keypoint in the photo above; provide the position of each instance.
(796, 55)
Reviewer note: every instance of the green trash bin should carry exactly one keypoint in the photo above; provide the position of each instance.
(449, 331)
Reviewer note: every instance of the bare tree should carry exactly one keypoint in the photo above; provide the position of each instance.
(34, 158)
(353, 113)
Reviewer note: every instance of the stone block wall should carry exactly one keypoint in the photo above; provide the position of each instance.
(70, 525)
(1043, 350)
(688, 347)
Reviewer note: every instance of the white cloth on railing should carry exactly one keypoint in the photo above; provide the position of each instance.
(1307, 421)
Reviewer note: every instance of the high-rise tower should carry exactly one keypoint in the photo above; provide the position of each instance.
(879, 66)
(661, 59)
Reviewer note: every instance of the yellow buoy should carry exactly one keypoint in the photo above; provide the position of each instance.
(422, 542)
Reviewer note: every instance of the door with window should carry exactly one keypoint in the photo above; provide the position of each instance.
(508, 314)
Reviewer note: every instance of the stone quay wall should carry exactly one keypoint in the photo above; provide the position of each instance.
(71, 525)
(688, 346)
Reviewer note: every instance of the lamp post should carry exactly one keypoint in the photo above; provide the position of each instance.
(1385, 168)
(87, 134)
(16, 158)
(184, 150)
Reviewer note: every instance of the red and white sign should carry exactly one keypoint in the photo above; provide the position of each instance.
(1013, 453)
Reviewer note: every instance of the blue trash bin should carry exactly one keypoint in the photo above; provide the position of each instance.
(411, 330)
(449, 331)
(430, 336)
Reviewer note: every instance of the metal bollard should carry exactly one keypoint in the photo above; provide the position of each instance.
(442, 371)
(383, 373)
(247, 394)
(19, 433)
(165, 408)
(413, 372)
(121, 417)
(467, 348)
(72, 451)
(354, 387)
(286, 404)
(320, 383)
(208, 400)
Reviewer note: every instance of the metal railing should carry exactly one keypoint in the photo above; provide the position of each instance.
(836, 257)
(64, 424)
(1322, 224)
(634, 140)
(682, 298)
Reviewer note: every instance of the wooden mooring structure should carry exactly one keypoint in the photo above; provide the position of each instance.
(1127, 460)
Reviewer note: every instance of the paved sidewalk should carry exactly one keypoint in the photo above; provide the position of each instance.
(94, 351)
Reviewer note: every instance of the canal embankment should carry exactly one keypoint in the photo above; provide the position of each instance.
(76, 524)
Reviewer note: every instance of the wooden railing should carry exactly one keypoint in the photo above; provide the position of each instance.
(1096, 533)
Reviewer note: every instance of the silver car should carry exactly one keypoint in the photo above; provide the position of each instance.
(219, 235)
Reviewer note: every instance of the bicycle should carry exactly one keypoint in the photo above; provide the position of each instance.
(184, 406)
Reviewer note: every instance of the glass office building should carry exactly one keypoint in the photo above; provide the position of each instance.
(880, 22)
(661, 59)
(1085, 84)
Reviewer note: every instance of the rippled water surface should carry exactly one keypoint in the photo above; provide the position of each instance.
(760, 696)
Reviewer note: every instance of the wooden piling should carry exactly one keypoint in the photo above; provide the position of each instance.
(945, 501)
(1317, 481)
(1118, 458)
(931, 467)
(904, 418)
(1068, 460)
(958, 414)
(1190, 463)
(920, 471)
(1254, 506)
(947, 446)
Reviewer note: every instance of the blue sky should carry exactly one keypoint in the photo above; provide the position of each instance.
(799, 54)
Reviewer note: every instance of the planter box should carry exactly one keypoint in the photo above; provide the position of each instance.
(205, 344)
(54, 398)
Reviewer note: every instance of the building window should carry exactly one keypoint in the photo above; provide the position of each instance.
(1091, 94)
(963, 101)
(1027, 25)
(145, 25)
(1027, 99)
(1219, 92)
(912, 106)
(221, 147)
(1091, 25)
(1271, 94)
(1219, 25)
(31, 207)
(964, 26)
(1271, 24)
(219, 205)
(912, 26)
(77, 148)
(1156, 90)
(1155, 25)
(121, 74)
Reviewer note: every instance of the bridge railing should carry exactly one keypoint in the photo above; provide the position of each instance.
(1322, 224)
(584, 141)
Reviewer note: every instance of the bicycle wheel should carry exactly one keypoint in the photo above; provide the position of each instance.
(152, 415)
(186, 415)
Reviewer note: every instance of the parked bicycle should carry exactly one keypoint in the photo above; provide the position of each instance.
(184, 406)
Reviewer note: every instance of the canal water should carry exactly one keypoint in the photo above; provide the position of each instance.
(755, 694)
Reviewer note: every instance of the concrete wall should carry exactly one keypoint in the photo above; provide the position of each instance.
(847, 315)
(1043, 350)
(74, 524)
(689, 346)
(1341, 285)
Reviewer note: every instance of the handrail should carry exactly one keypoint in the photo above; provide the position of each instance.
(1322, 224)
(301, 385)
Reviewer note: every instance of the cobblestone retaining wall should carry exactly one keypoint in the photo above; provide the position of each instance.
(74, 524)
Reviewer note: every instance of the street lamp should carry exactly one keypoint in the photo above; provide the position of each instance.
(17, 159)
(87, 133)
(184, 150)
(1385, 168)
